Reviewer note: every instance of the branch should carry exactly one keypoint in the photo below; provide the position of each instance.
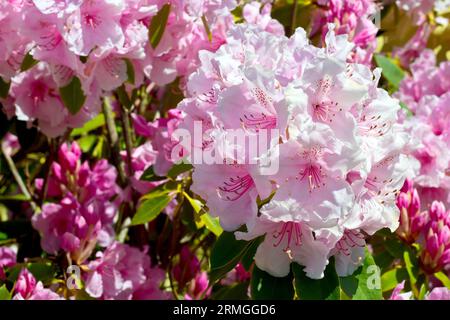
(113, 140)
(18, 178)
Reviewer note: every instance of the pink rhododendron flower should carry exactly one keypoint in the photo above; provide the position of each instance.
(85, 213)
(238, 274)
(412, 50)
(160, 134)
(427, 93)
(418, 9)
(10, 144)
(397, 295)
(199, 287)
(36, 97)
(339, 148)
(187, 268)
(123, 272)
(254, 14)
(439, 293)
(8, 258)
(27, 288)
(352, 17)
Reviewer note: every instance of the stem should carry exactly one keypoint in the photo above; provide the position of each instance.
(125, 118)
(294, 17)
(18, 178)
(113, 140)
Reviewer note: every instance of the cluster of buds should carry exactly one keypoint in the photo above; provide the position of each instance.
(436, 252)
(430, 228)
(412, 219)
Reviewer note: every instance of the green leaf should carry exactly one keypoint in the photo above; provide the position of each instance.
(14, 197)
(178, 169)
(236, 291)
(410, 266)
(326, 288)
(73, 96)
(149, 175)
(131, 78)
(150, 209)
(3, 236)
(249, 257)
(28, 62)
(409, 113)
(212, 224)
(391, 71)
(4, 88)
(266, 287)
(87, 142)
(158, 25)
(422, 292)
(124, 99)
(204, 218)
(93, 124)
(443, 278)
(391, 278)
(365, 282)
(42, 271)
(225, 254)
(4, 293)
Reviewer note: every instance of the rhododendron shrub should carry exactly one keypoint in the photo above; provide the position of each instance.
(222, 149)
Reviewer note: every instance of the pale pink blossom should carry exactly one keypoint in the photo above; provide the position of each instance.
(27, 288)
(342, 156)
(8, 258)
(123, 272)
(354, 18)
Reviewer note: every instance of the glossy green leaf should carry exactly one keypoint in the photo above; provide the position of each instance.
(225, 254)
(28, 62)
(391, 278)
(4, 293)
(73, 96)
(93, 124)
(178, 169)
(326, 288)
(150, 175)
(87, 142)
(443, 278)
(365, 282)
(4, 88)
(267, 287)
(158, 25)
(150, 209)
(390, 70)
(411, 266)
(131, 77)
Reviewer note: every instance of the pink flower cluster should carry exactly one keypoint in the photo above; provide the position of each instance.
(97, 42)
(340, 151)
(27, 288)
(427, 94)
(430, 227)
(354, 18)
(8, 258)
(84, 213)
(419, 9)
(438, 293)
(123, 272)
